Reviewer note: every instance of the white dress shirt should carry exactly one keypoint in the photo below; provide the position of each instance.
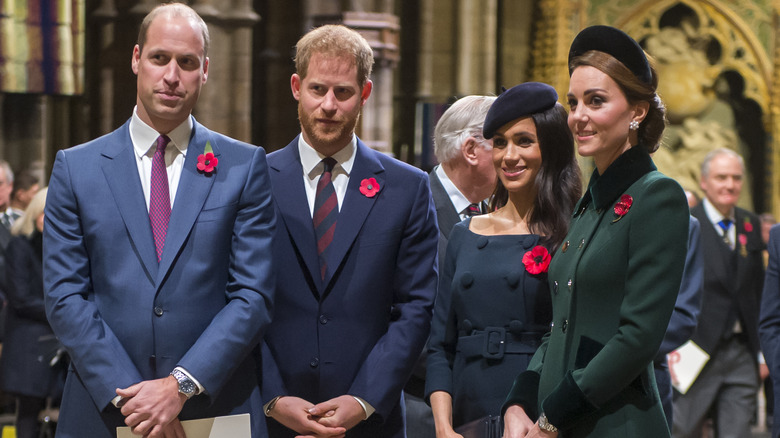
(311, 161)
(459, 201)
(144, 139)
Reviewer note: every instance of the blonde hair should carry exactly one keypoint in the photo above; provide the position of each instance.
(25, 225)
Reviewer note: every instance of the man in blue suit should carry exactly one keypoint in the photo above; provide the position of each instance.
(357, 241)
(157, 262)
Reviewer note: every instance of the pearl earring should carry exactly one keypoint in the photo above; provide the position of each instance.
(634, 125)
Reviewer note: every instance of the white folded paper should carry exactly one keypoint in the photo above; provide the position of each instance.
(685, 364)
(232, 426)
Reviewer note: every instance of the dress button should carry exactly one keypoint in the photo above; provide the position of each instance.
(323, 319)
(467, 279)
(314, 362)
(158, 311)
(482, 242)
(565, 325)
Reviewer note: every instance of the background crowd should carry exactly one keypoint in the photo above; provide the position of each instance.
(170, 273)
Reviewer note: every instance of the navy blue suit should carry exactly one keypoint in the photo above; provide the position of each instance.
(684, 317)
(123, 317)
(360, 331)
(769, 326)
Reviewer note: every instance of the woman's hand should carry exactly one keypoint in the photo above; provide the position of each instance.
(516, 423)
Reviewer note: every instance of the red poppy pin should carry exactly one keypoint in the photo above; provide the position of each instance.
(537, 260)
(207, 162)
(622, 207)
(369, 187)
(748, 226)
(742, 239)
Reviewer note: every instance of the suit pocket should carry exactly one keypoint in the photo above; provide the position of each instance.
(217, 214)
(586, 351)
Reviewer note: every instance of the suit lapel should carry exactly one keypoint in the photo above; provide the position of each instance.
(291, 200)
(191, 194)
(356, 206)
(121, 172)
(445, 212)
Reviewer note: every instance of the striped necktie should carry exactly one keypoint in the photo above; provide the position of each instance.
(326, 211)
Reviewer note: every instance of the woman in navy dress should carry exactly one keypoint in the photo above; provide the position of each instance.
(493, 305)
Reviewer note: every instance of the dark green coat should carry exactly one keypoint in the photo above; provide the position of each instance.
(613, 283)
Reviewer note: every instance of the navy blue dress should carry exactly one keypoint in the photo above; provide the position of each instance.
(489, 318)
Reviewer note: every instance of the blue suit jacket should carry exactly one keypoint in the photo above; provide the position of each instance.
(769, 326)
(125, 318)
(360, 330)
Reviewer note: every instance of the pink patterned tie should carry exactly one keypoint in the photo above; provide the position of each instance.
(160, 196)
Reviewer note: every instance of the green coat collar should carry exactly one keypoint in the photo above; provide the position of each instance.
(603, 190)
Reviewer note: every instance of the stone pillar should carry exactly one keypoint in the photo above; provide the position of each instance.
(225, 101)
(476, 47)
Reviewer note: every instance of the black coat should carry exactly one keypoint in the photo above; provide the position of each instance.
(29, 343)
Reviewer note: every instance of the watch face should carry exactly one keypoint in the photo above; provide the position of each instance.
(186, 386)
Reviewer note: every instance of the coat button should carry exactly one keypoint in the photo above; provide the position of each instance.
(582, 243)
(570, 283)
(555, 286)
(565, 325)
(314, 362)
(158, 311)
(323, 319)
(565, 246)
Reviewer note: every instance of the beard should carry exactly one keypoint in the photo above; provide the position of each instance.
(327, 139)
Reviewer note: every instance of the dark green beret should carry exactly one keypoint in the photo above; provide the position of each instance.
(613, 42)
(519, 101)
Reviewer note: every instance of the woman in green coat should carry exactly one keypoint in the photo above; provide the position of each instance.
(615, 278)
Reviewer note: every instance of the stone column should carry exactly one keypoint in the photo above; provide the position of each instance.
(476, 47)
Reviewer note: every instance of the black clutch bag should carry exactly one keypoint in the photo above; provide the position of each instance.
(490, 426)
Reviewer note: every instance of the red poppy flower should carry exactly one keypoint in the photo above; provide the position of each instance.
(207, 162)
(622, 206)
(742, 239)
(369, 187)
(748, 226)
(537, 260)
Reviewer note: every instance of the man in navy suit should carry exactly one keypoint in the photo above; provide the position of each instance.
(357, 241)
(157, 255)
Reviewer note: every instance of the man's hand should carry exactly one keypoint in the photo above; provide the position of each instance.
(516, 422)
(342, 411)
(174, 430)
(293, 413)
(151, 405)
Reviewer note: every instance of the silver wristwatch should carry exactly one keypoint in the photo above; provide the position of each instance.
(545, 425)
(186, 385)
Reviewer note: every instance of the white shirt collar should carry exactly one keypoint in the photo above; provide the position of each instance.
(310, 158)
(459, 201)
(713, 214)
(144, 137)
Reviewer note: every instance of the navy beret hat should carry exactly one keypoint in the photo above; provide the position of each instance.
(613, 42)
(519, 101)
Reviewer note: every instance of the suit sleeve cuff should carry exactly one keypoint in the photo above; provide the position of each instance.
(524, 392)
(567, 404)
(200, 387)
(367, 408)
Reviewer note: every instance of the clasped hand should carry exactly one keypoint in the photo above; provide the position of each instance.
(517, 424)
(151, 408)
(329, 419)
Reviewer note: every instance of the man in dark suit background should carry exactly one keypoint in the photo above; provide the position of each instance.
(157, 255)
(728, 323)
(464, 178)
(357, 241)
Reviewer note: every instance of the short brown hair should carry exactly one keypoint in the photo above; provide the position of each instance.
(175, 10)
(335, 40)
(652, 127)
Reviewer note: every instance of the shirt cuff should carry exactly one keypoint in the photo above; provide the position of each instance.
(367, 408)
(200, 388)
